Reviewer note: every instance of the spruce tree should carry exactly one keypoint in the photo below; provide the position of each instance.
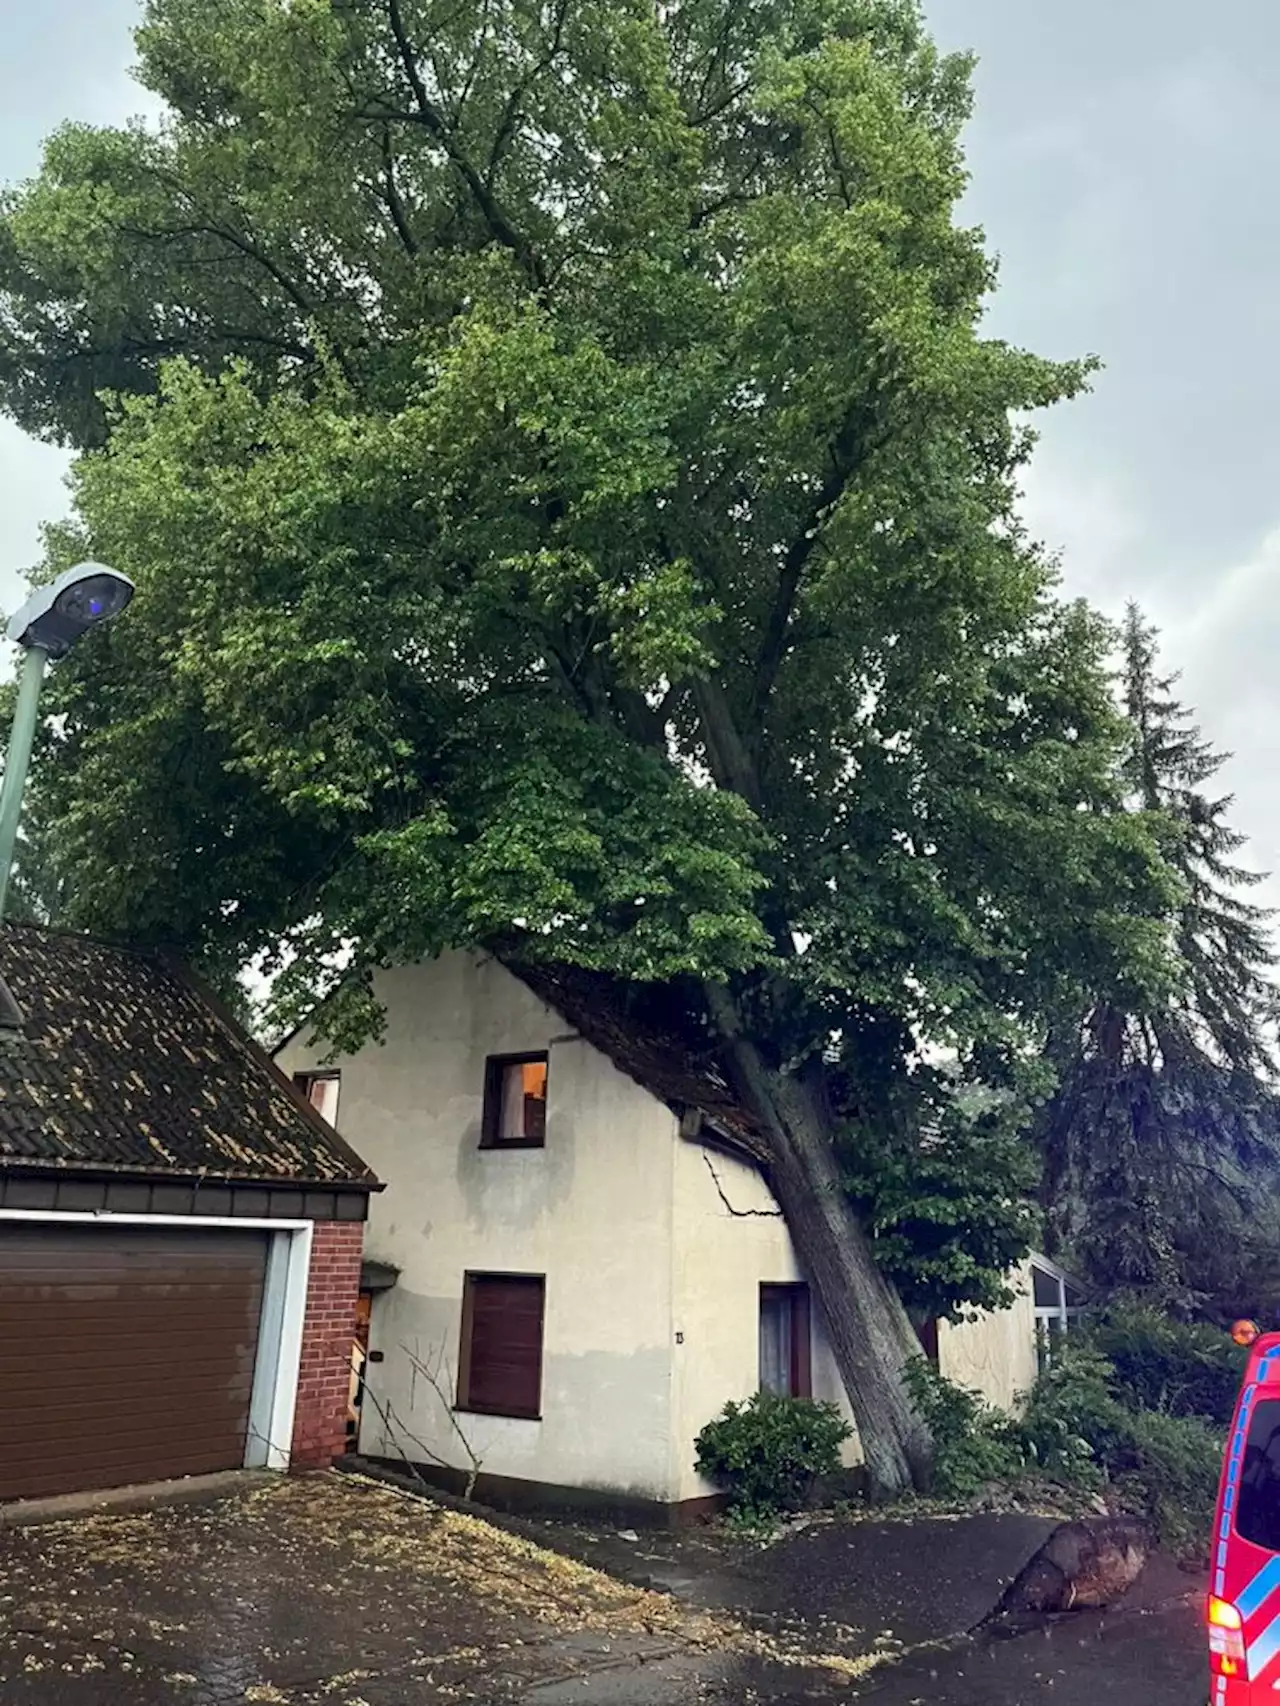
(1160, 1146)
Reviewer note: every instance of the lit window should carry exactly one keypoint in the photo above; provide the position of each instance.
(515, 1102)
(321, 1090)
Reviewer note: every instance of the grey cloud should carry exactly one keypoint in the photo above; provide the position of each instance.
(1125, 159)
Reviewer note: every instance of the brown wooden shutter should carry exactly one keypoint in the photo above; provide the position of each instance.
(801, 1344)
(501, 1362)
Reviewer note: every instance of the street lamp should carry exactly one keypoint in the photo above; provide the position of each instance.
(47, 626)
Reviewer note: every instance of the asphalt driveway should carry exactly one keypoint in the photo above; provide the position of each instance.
(895, 1600)
(335, 1592)
(308, 1592)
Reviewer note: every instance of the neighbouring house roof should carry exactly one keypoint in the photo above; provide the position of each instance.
(640, 1031)
(118, 1062)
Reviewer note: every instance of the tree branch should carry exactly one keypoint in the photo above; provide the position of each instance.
(445, 1396)
(392, 1425)
(731, 762)
(473, 70)
(842, 176)
(159, 347)
(734, 198)
(849, 451)
(507, 123)
(667, 704)
(432, 119)
(393, 198)
(201, 227)
(245, 245)
(722, 105)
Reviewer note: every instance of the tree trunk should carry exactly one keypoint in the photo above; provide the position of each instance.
(868, 1328)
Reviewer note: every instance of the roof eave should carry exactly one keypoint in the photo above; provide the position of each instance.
(34, 1165)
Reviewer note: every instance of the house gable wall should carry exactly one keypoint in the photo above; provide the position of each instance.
(592, 1211)
(995, 1353)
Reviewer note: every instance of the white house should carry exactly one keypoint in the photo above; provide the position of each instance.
(573, 1284)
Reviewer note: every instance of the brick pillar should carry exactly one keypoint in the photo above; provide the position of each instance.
(328, 1331)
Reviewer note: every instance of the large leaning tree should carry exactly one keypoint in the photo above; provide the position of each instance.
(572, 506)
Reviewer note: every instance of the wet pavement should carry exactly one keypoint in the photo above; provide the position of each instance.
(1149, 1650)
(336, 1592)
(1158, 1661)
(860, 1580)
(913, 1594)
(309, 1592)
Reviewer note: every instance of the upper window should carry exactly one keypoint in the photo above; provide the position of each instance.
(500, 1354)
(321, 1090)
(784, 1341)
(515, 1102)
(1258, 1512)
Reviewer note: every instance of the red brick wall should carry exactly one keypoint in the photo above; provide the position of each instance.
(324, 1376)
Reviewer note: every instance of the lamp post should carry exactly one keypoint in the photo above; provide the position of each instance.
(46, 628)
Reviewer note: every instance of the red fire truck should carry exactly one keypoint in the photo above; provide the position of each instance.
(1244, 1583)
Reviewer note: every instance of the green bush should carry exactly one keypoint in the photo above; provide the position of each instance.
(974, 1444)
(1073, 1422)
(1174, 1366)
(1082, 1428)
(1168, 1468)
(767, 1452)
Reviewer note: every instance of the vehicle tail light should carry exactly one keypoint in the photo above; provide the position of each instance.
(1226, 1639)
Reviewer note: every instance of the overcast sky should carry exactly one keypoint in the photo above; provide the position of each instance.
(1125, 164)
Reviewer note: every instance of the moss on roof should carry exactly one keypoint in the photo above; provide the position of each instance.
(122, 1063)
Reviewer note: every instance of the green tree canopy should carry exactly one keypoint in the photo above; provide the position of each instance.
(572, 506)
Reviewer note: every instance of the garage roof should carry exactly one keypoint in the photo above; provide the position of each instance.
(121, 1063)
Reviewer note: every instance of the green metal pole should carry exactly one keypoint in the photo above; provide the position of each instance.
(21, 737)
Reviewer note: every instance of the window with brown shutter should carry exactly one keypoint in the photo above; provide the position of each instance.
(785, 1354)
(500, 1360)
(515, 1102)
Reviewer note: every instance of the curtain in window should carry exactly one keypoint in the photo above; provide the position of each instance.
(776, 1350)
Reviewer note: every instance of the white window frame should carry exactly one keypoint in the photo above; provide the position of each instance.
(274, 1400)
(1052, 1317)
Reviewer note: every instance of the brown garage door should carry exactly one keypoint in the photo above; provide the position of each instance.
(126, 1354)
